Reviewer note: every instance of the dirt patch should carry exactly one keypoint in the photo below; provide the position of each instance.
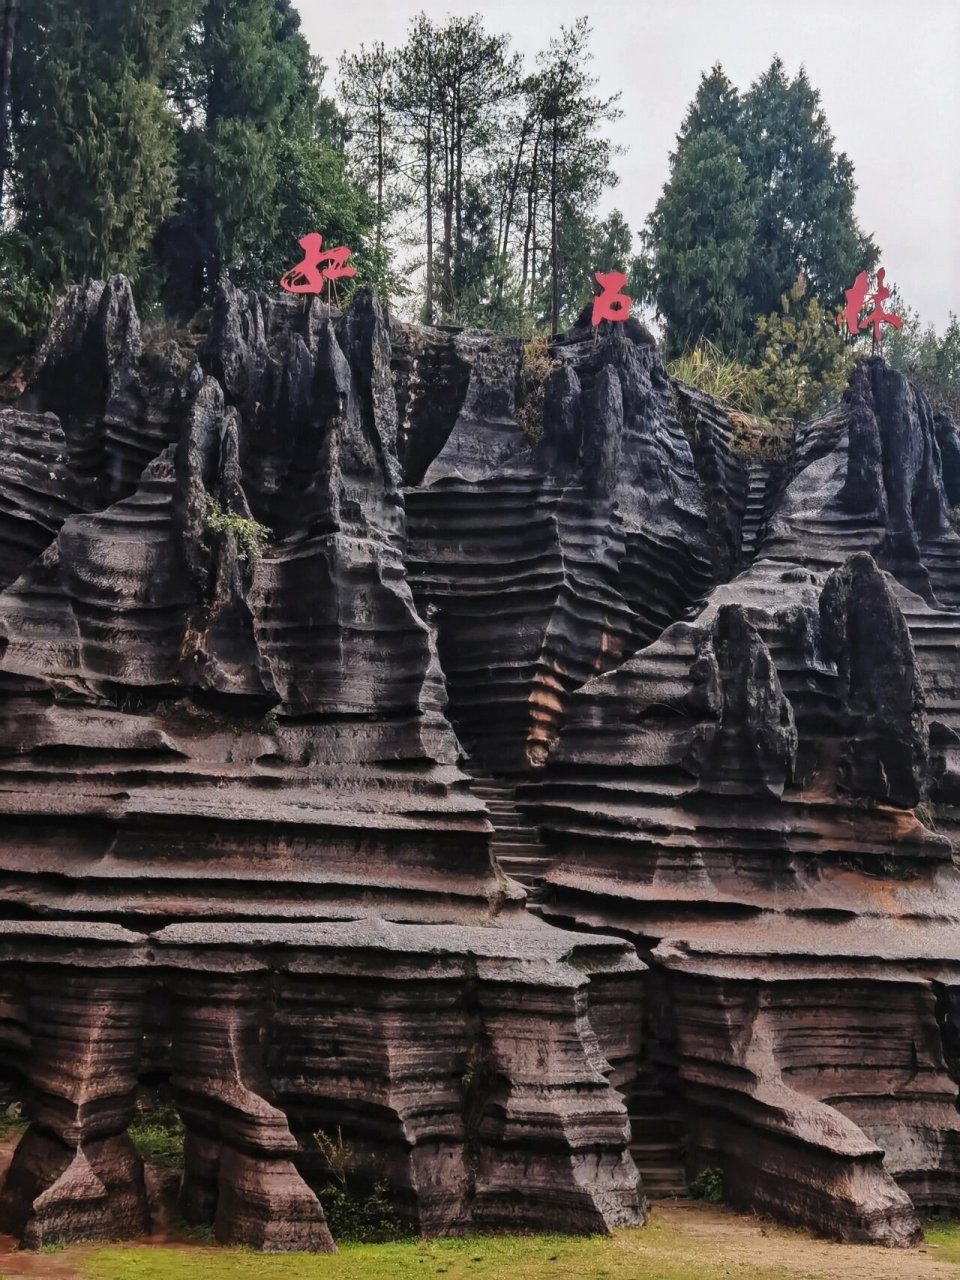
(713, 1233)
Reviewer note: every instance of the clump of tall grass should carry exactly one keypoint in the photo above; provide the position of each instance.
(709, 369)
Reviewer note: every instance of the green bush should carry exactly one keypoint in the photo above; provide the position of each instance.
(355, 1207)
(251, 536)
(800, 363)
(25, 300)
(366, 1217)
(707, 1185)
(798, 366)
(157, 1133)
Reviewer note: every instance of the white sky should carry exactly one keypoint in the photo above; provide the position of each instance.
(888, 72)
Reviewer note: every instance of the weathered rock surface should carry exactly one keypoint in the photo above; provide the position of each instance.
(763, 800)
(222, 711)
(542, 564)
(243, 855)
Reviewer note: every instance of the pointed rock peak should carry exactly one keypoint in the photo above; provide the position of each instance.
(600, 448)
(752, 750)
(560, 444)
(886, 749)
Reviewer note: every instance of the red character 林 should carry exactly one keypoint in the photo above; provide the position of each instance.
(878, 316)
(308, 276)
(856, 299)
(611, 304)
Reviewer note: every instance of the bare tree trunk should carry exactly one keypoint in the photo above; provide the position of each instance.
(530, 232)
(458, 181)
(380, 166)
(8, 38)
(446, 125)
(429, 199)
(554, 246)
(514, 187)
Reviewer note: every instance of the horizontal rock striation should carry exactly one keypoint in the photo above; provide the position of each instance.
(542, 562)
(289, 613)
(762, 799)
(222, 713)
(459, 1064)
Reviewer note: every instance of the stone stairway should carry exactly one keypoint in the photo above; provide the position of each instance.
(515, 844)
(754, 516)
(658, 1144)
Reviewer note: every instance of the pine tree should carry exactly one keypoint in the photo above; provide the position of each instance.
(367, 88)
(805, 218)
(576, 156)
(453, 85)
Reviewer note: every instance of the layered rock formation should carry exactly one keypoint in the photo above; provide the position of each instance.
(763, 800)
(268, 604)
(226, 761)
(543, 563)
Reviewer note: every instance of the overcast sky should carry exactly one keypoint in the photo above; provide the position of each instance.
(888, 72)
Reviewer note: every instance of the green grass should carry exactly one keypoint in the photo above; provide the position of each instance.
(684, 1247)
(157, 1135)
(946, 1235)
(651, 1253)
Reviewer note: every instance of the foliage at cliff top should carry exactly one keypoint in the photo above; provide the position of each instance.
(797, 367)
(757, 194)
(181, 143)
(172, 143)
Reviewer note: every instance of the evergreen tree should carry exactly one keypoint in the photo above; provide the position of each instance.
(93, 141)
(502, 171)
(698, 245)
(757, 195)
(453, 84)
(367, 88)
(256, 172)
(716, 105)
(805, 219)
(576, 156)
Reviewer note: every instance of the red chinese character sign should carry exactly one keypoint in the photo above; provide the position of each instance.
(876, 318)
(317, 267)
(610, 303)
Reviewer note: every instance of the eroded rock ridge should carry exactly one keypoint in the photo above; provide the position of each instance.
(297, 625)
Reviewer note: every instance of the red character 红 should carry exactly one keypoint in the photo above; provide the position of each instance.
(856, 299)
(611, 304)
(308, 276)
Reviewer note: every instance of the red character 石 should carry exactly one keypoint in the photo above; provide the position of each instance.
(308, 276)
(611, 304)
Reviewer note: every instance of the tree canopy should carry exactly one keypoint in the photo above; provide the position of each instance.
(757, 196)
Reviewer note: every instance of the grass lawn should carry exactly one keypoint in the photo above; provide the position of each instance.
(946, 1239)
(678, 1244)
